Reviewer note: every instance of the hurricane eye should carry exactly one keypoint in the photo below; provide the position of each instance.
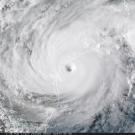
(70, 68)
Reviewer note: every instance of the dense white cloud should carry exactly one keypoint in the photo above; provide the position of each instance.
(73, 54)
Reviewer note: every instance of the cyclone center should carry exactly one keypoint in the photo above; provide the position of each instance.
(70, 67)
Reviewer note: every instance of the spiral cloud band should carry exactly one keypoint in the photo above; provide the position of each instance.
(63, 62)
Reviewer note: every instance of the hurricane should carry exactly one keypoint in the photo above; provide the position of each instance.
(67, 66)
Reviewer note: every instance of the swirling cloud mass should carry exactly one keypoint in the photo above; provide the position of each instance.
(66, 66)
